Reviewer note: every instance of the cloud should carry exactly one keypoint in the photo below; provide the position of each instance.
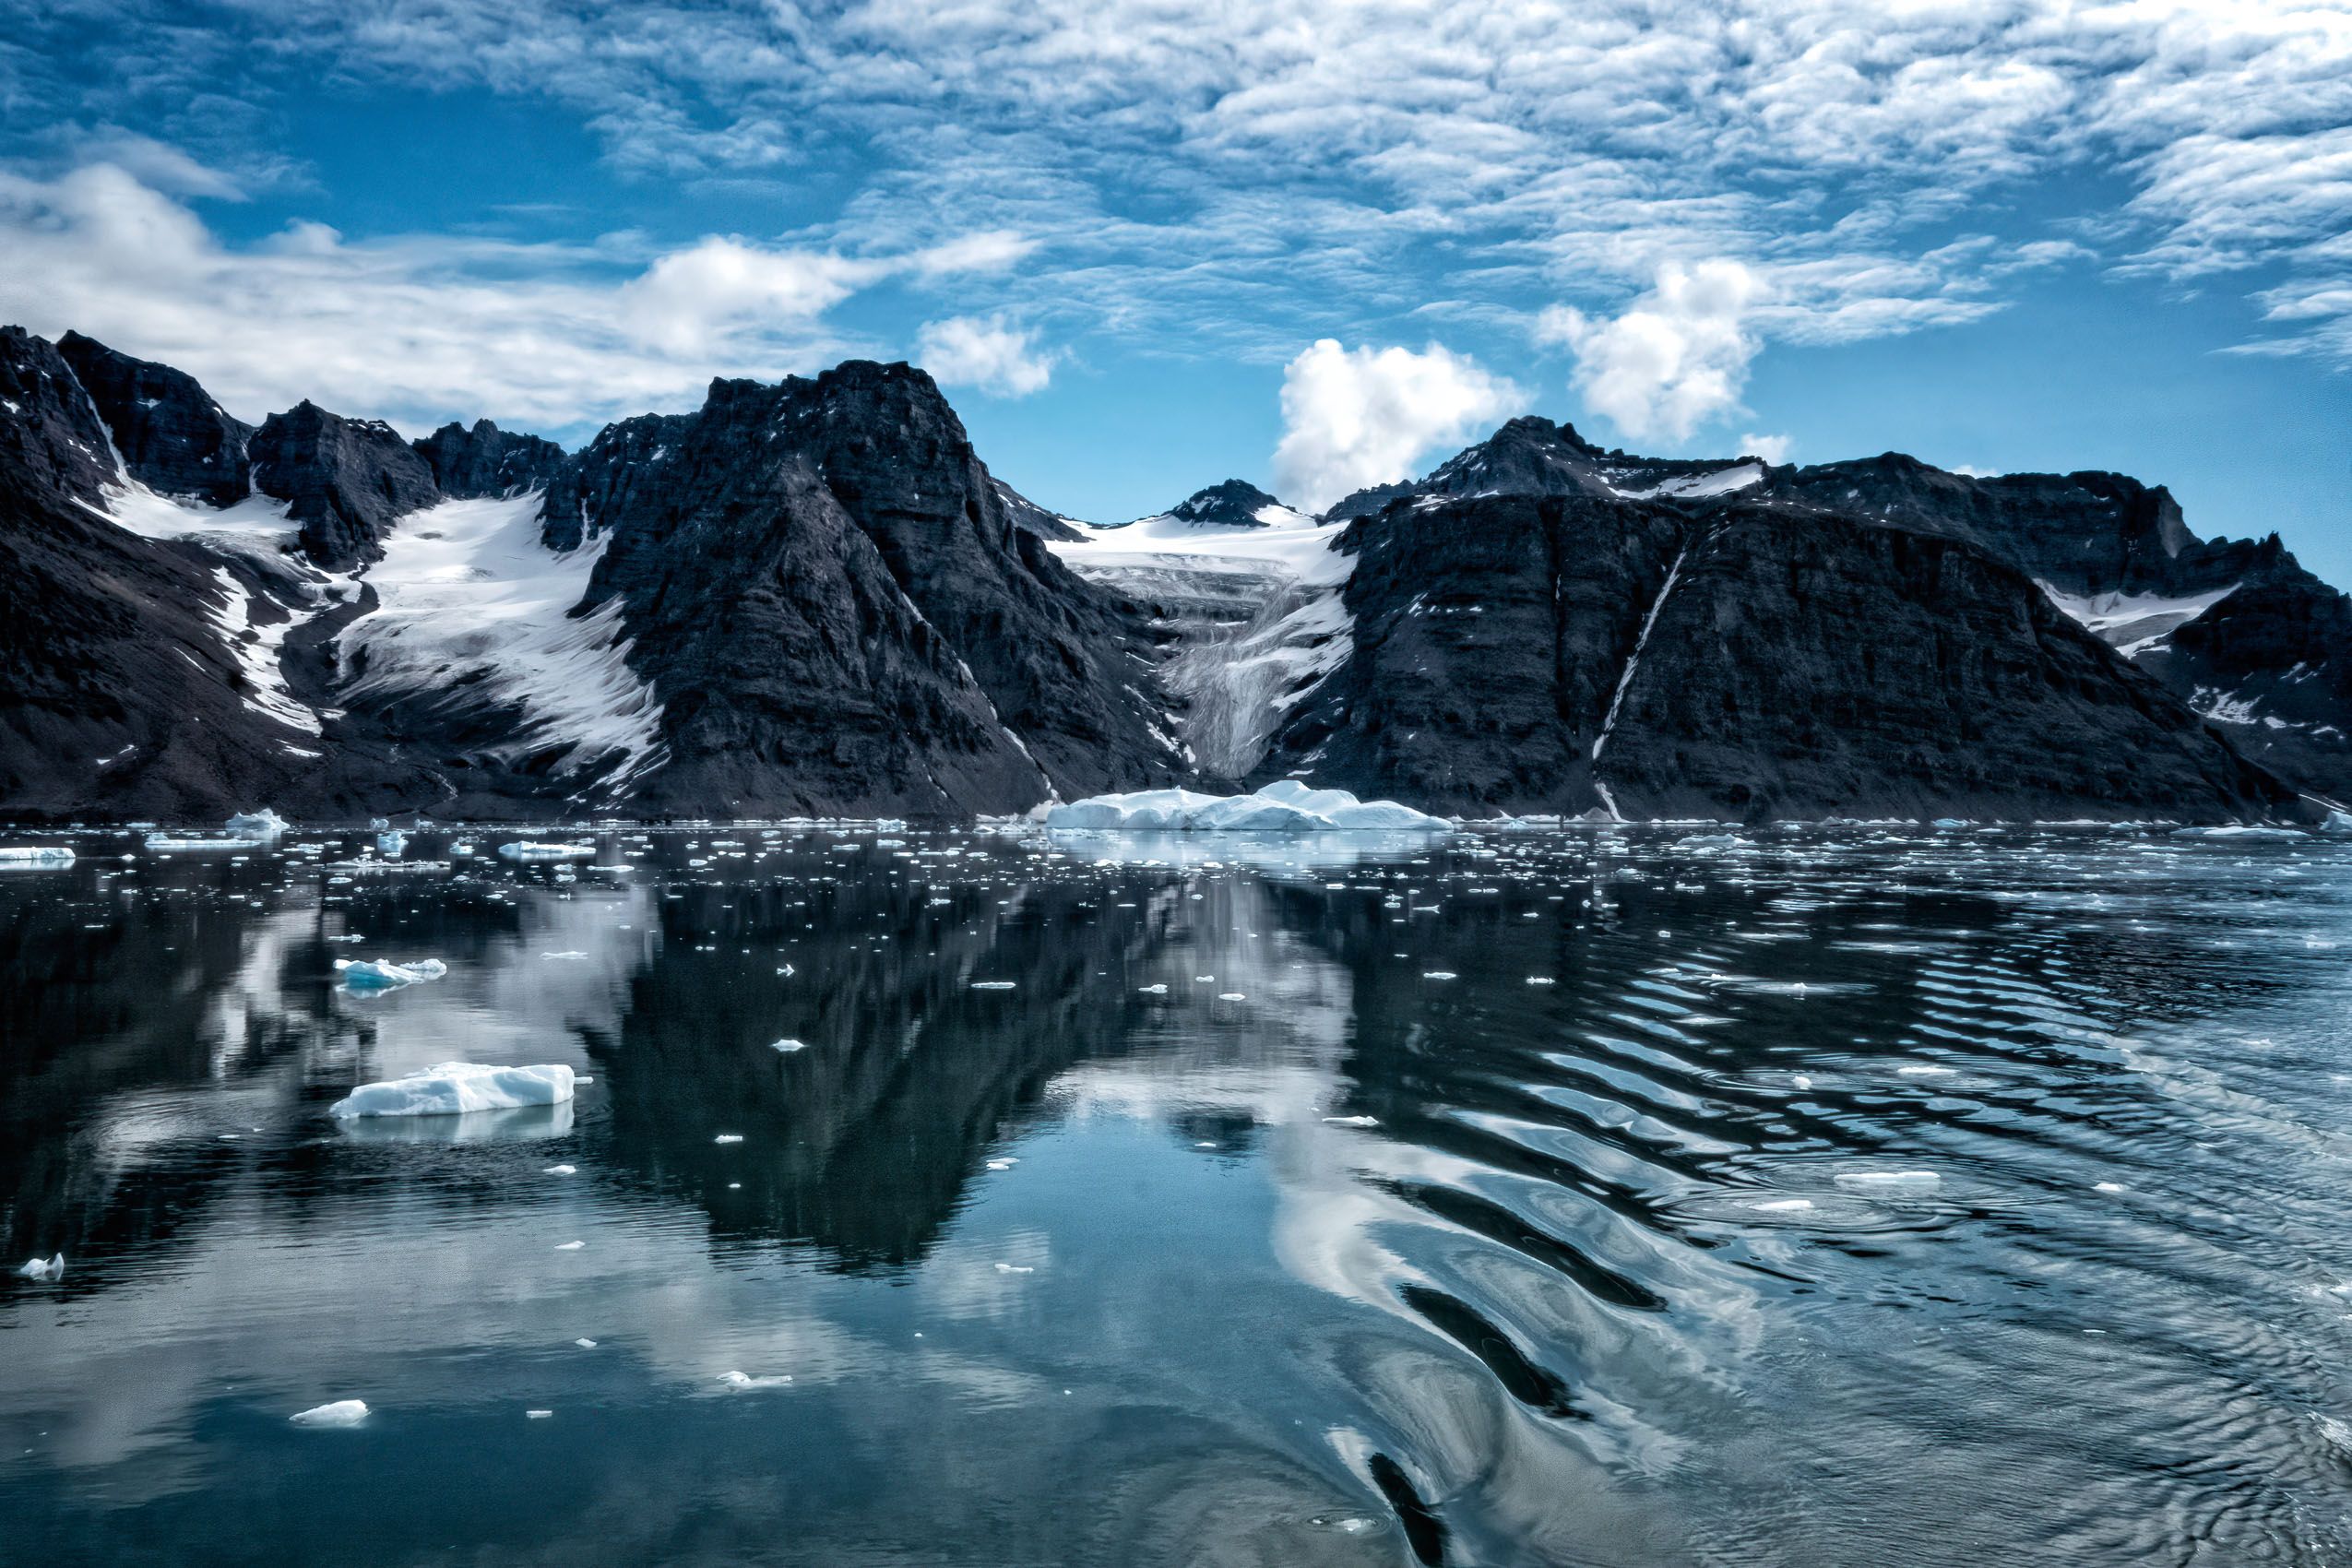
(1358, 417)
(420, 328)
(1002, 360)
(1675, 358)
(1773, 450)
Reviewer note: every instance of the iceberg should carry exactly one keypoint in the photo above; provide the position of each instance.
(455, 1088)
(44, 1268)
(392, 843)
(341, 1413)
(378, 974)
(525, 850)
(1288, 806)
(2241, 832)
(259, 826)
(35, 855)
(164, 844)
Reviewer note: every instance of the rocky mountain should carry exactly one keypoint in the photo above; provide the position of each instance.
(1750, 659)
(813, 597)
(2235, 628)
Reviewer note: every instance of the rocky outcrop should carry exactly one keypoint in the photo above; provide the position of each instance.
(1535, 457)
(1234, 505)
(1571, 653)
(168, 433)
(1027, 514)
(345, 480)
(52, 441)
(486, 461)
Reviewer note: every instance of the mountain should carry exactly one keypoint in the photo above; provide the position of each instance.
(2236, 628)
(1750, 659)
(812, 597)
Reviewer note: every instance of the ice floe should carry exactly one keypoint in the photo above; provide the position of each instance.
(341, 1413)
(35, 855)
(454, 1087)
(44, 1268)
(1288, 806)
(379, 974)
(526, 850)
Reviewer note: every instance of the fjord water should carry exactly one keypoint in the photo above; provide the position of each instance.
(1520, 1198)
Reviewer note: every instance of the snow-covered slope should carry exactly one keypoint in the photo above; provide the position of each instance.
(1257, 611)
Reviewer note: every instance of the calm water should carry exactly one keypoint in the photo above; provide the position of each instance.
(1296, 1204)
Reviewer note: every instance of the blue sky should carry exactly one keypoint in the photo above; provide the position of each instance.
(1151, 244)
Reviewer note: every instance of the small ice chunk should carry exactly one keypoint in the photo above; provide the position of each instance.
(728, 1138)
(1232, 996)
(572, 953)
(1014, 1268)
(1888, 1181)
(1152, 990)
(1919, 1071)
(992, 985)
(454, 1087)
(2108, 1187)
(788, 1045)
(584, 1343)
(1784, 1206)
(537, 1415)
(561, 1170)
(44, 1268)
(745, 1380)
(1353, 1120)
(381, 974)
(569, 1246)
(341, 1413)
(1438, 974)
(529, 849)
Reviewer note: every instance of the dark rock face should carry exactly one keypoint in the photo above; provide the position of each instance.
(346, 480)
(2236, 628)
(1534, 457)
(1528, 654)
(171, 435)
(51, 439)
(119, 695)
(488, 461)
(1234, 505)
(826, 590)
(1027, 514)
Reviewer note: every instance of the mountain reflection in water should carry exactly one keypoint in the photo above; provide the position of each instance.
(1819, 1196)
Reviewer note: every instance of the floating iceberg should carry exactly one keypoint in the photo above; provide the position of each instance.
(378, 974)
(35, 855)
(44, 1268)
(259, 826)
(1285, 807)
(341, 1413)
(455, 1088)
(164, 844)
(393, 843)
(2242, 832)
(525, 850)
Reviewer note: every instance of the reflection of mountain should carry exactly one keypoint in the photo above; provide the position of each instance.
(862, 1141)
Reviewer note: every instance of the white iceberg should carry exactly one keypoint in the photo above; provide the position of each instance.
(44, 1268)
(378, 974)
(454, 1087)
(2241, 832)
(392, 843)
(341, 1413)
(526, 850)
(164, 844)
(35, 855)
(259, 826)
(1288, 806)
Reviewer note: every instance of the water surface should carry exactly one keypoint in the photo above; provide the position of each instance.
(1523, 1199)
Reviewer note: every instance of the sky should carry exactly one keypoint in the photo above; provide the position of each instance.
(1148, 245)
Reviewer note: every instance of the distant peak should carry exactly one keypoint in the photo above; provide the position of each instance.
(1236, 503)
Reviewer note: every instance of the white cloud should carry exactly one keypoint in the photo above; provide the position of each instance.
(1002, 360)
(422, 328)
(1675, 358)
(1773, 450)
(1358, 417)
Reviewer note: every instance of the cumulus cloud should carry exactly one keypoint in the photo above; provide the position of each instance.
(1358, 417)
(1675, 358)
(1002, 360)
(1773, 450)
(423, 327)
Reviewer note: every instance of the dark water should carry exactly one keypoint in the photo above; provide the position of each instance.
(1354, 1245)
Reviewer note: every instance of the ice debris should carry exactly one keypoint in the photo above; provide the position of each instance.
(526, 850)
(341, 1413)
(1285, 807)
(35, 855)
(380, 974)
(44, 1268)
(453, 1087)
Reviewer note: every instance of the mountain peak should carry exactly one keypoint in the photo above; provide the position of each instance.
(1236, 503)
